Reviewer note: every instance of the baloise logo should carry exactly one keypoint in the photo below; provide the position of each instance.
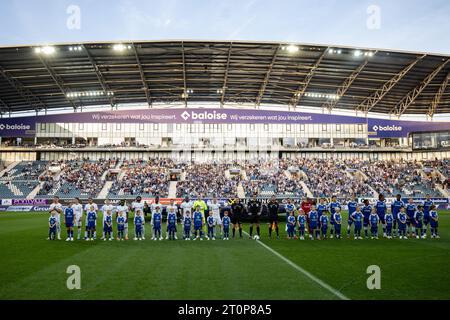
(386, 128)
(14, 127)
(206, 115)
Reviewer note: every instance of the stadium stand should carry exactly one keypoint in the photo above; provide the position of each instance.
(326, 178)
(77, 178)
(208, 179)
(144, 178)
(25, 170)
(284, 178)
(269, 178)
(403, 177)
(21, 179)
(442, 168)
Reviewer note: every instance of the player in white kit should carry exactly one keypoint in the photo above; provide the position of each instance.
(186, 206)
(56, 205)
(78, 211)
(138, 205)
(87, 208)
(105, 208)
(214, 206)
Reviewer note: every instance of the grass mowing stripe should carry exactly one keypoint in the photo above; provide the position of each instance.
(303, 271)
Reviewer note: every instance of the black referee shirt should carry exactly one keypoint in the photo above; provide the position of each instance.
(254, 207)
(273, 208)
(237, 209)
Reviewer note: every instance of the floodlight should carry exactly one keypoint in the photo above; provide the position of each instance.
(292, 49)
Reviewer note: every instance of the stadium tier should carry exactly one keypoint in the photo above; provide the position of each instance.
(74, 178)
(145, 178)
(284, 178)
(21, 180)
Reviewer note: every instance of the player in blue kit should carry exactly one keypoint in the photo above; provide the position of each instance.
(366, 211)
(291, 225)
(352, 204)
(426, 213)
(321, 207)
(338, 223)
(187, 225)
(157, 223)
(120, 226)
(324, 221)
(314, 223)
(52, 222)
(226, 222)
(108, 226)
(395, 209)
(418, 222)
(90, 206)
(91, 219)
(358, 218)
(334, 204)
(198, 224)
(69, 219)
(434, 222)
(211, 223)
(138, 222)
(289, 207)
(402, 221)
(381, 207)
(301, 222)
(411, 209)
(374, 219)
(172, 224)
(389, 218)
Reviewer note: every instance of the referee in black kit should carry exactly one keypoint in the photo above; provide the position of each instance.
(254, 211)
(237, 208)
(273, 208)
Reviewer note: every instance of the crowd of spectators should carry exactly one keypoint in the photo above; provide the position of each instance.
(392, 177)
(82, 176)
(270, 177)
(443, 167)
(146, 178)
(26, 170)
(208, 179)
(280, 177)
(328, 177)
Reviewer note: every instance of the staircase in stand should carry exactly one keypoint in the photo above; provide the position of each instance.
(105, 190)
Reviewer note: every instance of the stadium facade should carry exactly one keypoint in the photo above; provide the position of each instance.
(294, 81)
(216, 134)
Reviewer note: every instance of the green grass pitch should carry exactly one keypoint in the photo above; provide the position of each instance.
(34, 268)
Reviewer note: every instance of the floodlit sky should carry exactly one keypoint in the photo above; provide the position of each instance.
(392, 24)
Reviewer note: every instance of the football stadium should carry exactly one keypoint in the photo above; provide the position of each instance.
(223, 170)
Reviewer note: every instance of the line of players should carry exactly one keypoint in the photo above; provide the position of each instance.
(400, 219)
(315, 219)
(193, 219)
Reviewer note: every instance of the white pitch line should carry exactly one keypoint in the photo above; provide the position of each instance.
(306, 273)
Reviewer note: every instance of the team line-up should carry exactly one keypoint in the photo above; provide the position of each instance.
(318, 220)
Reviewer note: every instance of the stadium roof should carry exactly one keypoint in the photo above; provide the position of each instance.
(76, 75)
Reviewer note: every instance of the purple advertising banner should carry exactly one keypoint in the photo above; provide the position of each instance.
(29, 202)
(17, 127)
(378, 128)
(382, 128)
